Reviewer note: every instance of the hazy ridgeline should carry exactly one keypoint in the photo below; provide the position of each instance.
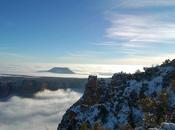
(28, 86)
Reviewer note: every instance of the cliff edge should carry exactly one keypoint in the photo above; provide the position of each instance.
(139, 101)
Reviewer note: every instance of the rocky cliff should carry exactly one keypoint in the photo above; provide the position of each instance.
(137, 101)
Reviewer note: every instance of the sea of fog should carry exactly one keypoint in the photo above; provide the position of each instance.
(81, 71)
(43, 112)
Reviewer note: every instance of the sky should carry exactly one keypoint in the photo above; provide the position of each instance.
(123, 32)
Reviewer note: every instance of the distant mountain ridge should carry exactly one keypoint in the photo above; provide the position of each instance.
(139, 101)
(29, 86)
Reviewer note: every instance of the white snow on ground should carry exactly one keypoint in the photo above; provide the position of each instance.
(165, 126)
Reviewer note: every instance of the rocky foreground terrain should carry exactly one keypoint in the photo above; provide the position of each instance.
(140, 101)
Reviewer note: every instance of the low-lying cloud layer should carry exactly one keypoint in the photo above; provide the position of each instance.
(81, 70)
(43, 112)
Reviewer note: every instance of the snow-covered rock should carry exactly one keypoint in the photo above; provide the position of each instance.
(130, 101)
(165, 126)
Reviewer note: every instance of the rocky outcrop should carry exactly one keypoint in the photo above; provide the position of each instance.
(91, 94)
(139, 101)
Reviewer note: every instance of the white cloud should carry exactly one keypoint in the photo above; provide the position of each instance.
(138, 32)
(145, 3)
(140, 28)
(145, 60)
(134, 56)
(39, 113)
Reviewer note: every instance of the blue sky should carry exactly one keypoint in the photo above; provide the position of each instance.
(87, 31)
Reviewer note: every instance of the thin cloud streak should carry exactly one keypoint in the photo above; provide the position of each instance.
(141, 29)
(142, 59)
(135, 34)
(145, 3)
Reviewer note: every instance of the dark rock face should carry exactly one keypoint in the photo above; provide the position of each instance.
(5, 89)
(140, 101)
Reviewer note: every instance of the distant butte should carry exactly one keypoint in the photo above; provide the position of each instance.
(61, 70)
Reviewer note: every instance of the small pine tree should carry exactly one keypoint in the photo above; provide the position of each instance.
(83, 126)
(150, 120)
(147, 104)
(127, 127)
(97, 126)
(162, 107)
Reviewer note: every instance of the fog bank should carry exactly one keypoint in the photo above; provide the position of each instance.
(43, 112)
